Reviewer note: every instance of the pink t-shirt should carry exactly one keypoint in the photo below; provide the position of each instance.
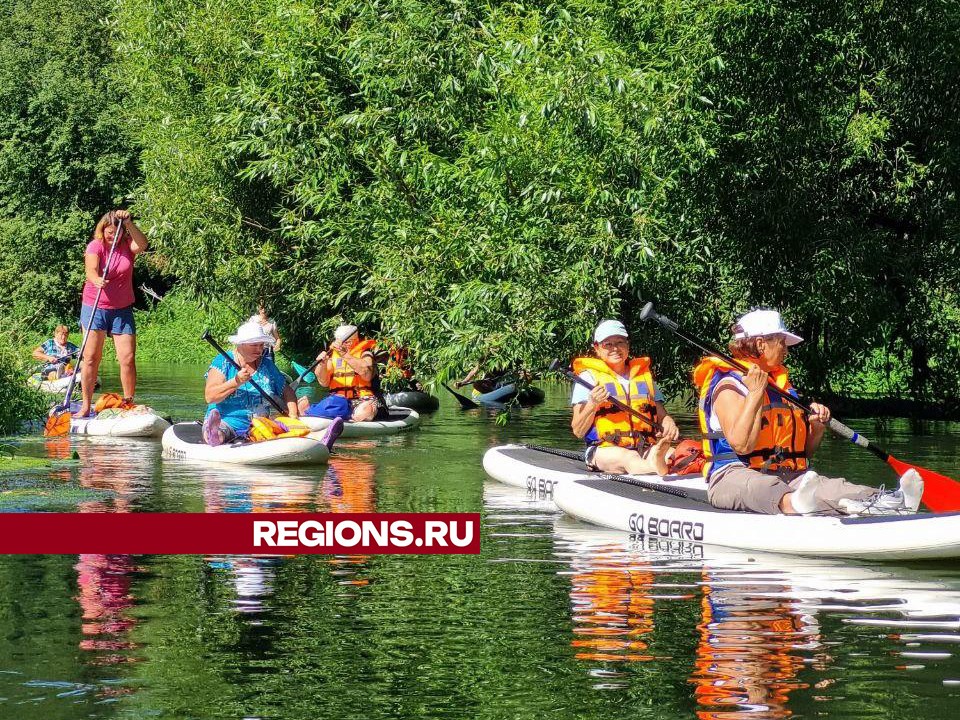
(119, 291)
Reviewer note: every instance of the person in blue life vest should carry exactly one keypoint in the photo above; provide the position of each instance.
(758, 447)
(618, 441)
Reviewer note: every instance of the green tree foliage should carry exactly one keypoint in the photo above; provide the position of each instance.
(483, 182)
(17, 401)
(64, 153)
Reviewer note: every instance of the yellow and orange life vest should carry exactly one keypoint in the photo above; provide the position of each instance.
(265, 428)
(611, 425)
(782, 441)
(344, 380)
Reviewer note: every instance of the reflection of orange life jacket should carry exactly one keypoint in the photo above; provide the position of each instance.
(613, 609)
(782, 441)
(344, 381)
(748, 644)
(611, 425)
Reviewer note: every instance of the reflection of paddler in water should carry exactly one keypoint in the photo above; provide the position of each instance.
(747, 659)
(612, 608)
(104, 597)
(348, 487)
(257, 491)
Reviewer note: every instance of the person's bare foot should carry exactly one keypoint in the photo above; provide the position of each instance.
(658, 456)
(83, 412)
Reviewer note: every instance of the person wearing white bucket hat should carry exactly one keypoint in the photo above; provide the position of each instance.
(618, 441)
(758, 448)
(349, 370)
(233, 401)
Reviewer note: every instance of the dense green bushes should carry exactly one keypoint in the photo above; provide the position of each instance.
(484, 182)
(64, 153)
(17, 402)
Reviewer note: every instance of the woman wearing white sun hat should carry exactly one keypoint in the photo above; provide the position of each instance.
(233, 400)
(758, 447)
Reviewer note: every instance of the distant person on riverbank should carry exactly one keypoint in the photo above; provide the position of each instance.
(618, 441)
(758, 447)
(57, 353)
(269, 327)
(114, 316)
(349, 370)
(236, 408)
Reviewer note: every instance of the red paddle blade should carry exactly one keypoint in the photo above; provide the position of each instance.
(57, 424)
(940, 493)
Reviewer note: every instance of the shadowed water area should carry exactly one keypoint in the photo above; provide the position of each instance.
(553, 619)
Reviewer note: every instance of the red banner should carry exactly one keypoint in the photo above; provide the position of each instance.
(239, 533)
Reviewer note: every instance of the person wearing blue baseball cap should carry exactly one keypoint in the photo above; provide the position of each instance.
(619, 441)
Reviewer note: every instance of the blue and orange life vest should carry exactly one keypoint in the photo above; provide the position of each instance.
(782, 441)
(344, 380)
(611, 425)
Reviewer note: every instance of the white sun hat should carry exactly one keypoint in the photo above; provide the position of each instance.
(344, 332)
(251, 333)
(608, 329)
(758, 323)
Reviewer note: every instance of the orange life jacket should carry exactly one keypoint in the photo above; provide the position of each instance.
(344, 381)
(611, 425)
(399, 359)
(782, 441)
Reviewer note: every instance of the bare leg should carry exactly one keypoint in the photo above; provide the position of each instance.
(624, 460)
(126, 347)
(366, 410)
(92, 354)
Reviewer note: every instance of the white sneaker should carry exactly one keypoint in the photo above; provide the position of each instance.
(911, 488)
(804, 497)
(883, 503)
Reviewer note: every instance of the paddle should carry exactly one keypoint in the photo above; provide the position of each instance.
(555, 366)
(266, 396)
(58, 361)
(465, 402)
(306, 371)
(940, 493)
(58, 423)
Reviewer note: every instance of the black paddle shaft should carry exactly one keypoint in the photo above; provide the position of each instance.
(555, 366)
(648, 313)
(267, 396)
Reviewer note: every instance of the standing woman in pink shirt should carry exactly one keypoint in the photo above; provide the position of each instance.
(114, 316)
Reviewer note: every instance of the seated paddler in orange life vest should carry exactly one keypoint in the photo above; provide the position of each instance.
(618, 441)
(349, 370)
(757, 447)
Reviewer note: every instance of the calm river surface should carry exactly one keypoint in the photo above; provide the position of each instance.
(553, 619)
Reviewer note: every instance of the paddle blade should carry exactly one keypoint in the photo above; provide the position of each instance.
(57, 424)
(940, 493)
(465, 403)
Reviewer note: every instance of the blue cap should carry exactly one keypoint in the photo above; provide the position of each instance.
(608, 329)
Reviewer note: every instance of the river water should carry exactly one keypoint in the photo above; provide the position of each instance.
(553, 619)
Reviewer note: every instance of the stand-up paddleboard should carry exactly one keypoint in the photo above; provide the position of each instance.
(539, 469)
(121, 423)
(644, 512)
(184, 441)
(413, 399)
(57, 386)
(394, 421)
